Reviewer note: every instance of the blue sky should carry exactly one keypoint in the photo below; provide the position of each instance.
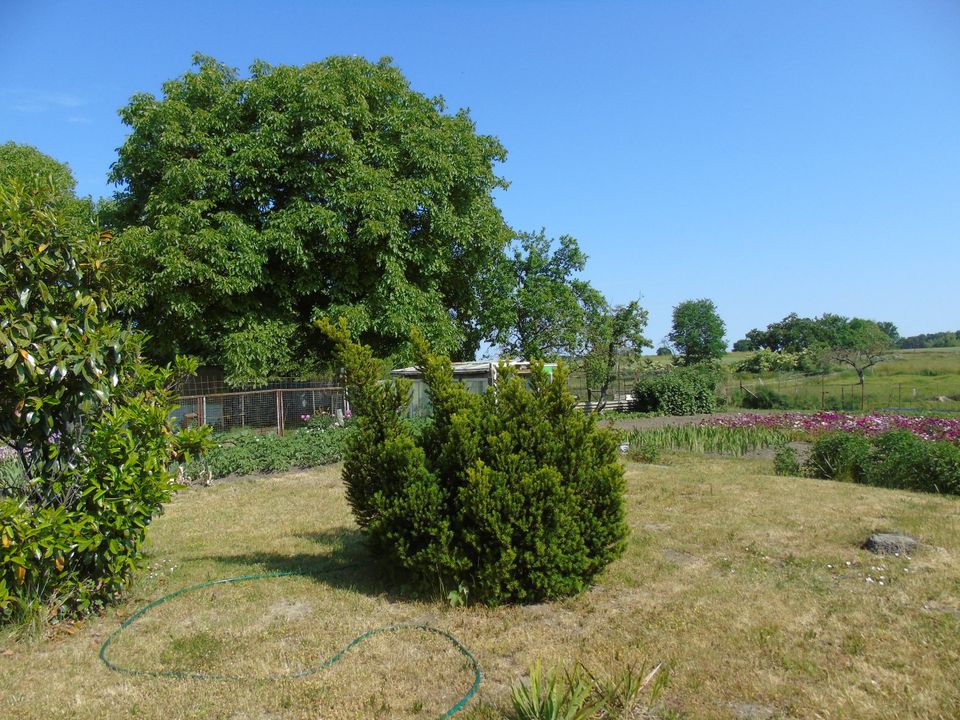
(774, 157)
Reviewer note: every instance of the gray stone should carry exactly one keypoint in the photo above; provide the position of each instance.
(752, 711)
(890, 544)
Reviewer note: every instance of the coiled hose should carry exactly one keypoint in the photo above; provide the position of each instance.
(332, 660)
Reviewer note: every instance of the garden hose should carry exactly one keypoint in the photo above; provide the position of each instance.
(337, 657)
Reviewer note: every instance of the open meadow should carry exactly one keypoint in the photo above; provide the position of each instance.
(749, 588)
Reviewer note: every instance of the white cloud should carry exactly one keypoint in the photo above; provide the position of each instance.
(35, 101)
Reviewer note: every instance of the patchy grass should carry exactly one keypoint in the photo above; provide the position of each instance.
(750, 588)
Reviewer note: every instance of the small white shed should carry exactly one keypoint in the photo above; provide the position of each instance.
(476, 375)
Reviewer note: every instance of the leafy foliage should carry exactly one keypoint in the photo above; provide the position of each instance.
(787, 461)
(894, 459)
(764, 398)
(246, 452)
(766, 360)
(697, 332)
(549, 695)
(838, 456)
(612, 335)
(513, 496)
(548, 305)
(62, 356)
(86, 420)
(678, 391)
(704, 439)
(556, 694)
(861, 345)
(252, 207)
(949, 338)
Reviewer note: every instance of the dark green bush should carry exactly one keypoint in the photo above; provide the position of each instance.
(786, 462)
(678, 391)
(895, 459)
(764, 398)
(900, 459)
(838, 456)
(512, 496)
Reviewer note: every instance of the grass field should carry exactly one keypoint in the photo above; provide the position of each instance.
(927, 379)
(750, 588)
(916, 379)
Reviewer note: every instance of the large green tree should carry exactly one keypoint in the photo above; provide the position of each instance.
(253, 206)
(546, 307)
(697, 332)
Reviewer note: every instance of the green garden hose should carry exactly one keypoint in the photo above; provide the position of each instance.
(181, 675)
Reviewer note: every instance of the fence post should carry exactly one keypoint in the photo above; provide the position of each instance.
(241, 411)
(203, 410)
(279, 404)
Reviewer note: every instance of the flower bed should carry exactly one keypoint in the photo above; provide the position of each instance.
(928, 428)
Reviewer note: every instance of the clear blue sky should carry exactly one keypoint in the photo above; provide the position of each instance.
(774, 157)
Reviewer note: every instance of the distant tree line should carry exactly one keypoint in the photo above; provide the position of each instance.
(795, 333)
(946, 339)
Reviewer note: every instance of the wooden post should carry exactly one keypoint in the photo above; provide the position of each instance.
(241, 411)
(203, 410)
(279, 404)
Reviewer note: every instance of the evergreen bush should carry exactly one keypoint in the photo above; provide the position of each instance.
(509, 496)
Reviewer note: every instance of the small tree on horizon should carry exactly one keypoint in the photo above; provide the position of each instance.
(697, 332)
(612, 334)
(863, 345)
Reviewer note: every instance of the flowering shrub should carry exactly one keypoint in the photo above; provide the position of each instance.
(925, 428)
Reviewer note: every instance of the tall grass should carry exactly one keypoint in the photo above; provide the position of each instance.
(708, 439)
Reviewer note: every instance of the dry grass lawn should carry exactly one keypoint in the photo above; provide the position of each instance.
(750, 588)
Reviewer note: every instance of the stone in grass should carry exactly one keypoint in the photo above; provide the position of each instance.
(752, 711)
(890, 544)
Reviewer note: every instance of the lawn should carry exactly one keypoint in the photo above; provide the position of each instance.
(750, 589)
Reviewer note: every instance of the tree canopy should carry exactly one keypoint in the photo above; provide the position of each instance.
(795, 333)
(546, 307)
(29, 167)
(861, 344)
(697, 332)
(251, 207)
(612, 334)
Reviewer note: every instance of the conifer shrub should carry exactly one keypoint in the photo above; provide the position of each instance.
(510, 496)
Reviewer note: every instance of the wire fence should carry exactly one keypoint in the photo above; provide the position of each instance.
(277, 407)
(805, 393)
